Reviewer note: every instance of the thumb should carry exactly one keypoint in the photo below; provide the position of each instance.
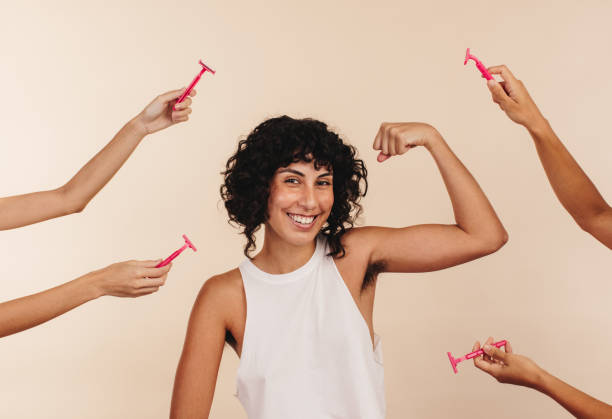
(382, 157)
(497, 91)
(495, 353)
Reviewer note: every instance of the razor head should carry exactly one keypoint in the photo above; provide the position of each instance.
(188, 242)
(453, 362)
(467, 56)
(207, 68)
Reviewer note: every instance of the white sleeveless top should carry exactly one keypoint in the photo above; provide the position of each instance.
(307, 351)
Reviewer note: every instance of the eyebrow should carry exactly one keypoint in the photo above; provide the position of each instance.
(302, 174)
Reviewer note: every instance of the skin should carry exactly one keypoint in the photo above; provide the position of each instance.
(573, 188)
(508, 367)
(221, 303)
(124, 279)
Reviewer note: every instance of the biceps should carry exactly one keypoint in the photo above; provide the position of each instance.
(424, 248)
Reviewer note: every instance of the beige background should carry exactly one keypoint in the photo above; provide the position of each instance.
(73, 73)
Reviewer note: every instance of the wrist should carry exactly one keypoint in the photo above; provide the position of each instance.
(541, 381)
(538, 128)
(433, 139)
(138, 126)
(93, 284)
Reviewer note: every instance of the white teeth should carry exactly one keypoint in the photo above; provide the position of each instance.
(302, 220)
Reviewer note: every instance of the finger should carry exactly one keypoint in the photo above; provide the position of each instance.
(149, 282)
(382, 157)
(503, 71)
(508, 347)
(393, 146)
(181, 114)
(489, 368)
(148, 263)
(498, 92)
(171, 95)
(385, 142)
(475, 347)
(184, 104)
(146, 291)
(193, 92)
(156, 272)
(495, 353)
(378, 139)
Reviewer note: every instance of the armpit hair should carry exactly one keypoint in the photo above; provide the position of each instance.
(371, 274)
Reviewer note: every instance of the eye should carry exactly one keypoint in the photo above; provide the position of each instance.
(323, 183)
(293, 180)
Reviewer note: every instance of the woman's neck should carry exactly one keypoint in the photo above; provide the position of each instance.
(279, 257)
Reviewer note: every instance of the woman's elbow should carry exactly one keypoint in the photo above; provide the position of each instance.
(493, 242)
(71, 203)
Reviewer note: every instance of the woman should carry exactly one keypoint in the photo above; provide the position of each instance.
(299, 313)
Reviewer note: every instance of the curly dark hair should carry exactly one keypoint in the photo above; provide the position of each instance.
(278, 142)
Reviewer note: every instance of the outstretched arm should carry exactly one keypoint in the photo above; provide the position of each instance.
(572, 186)
(125, 279)
(22, 210)
(507, 367)
(422, 248)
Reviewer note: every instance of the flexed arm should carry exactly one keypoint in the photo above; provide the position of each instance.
(21, 210)
(573, 188)
(477, 230)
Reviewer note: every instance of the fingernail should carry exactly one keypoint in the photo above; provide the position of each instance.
(491, 83)
(486, 348)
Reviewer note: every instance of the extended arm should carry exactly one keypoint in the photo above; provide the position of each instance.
(126, 279)
(507, 367)
(573, 188)
(21, 210)
(419, 248)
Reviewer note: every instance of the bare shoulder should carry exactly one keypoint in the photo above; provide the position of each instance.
(221, 293)
(221, 288)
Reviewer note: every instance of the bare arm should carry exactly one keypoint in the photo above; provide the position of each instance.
(125, 279)
(21, 210)
(573, 188)
(507, 367)
(196, 375)
(420, 248)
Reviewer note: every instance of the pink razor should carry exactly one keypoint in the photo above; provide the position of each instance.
(178, 252)
(479, 65)
(195, 81)
(471, 355)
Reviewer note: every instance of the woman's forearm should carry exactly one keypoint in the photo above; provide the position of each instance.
(102, 167)
(572, 186)
(473, 211)
(573, 400)
(26, 312)
(21, 210)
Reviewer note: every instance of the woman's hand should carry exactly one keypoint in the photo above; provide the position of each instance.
(160, 113)
(395, 138)
(133, 278)
(513, 98)
(507, 367)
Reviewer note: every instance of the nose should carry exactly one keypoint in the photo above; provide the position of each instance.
(307, 199)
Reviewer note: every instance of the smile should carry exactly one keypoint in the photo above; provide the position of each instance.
(303, 219)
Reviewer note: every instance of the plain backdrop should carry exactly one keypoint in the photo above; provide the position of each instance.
(74, 72)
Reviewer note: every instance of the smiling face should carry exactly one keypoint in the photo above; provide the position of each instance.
(301, 198)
